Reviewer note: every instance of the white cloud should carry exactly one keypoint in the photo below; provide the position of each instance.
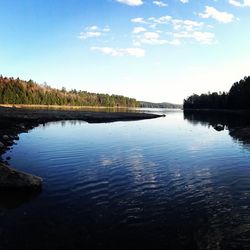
(138, 20)
(160, 20)
(178, 30)
(151, 38)
(131, 2)
(93, 32)
(184, 1)
(151, 35)
(223, 17)
(107, 29)
(175, 42)
(136, 52)
(93, 28)
(176, 23)
(183, 34)
(237, 3)
(138, 30)
(204, 37)
(160, 3)
(89, 34)
(199, 36)
(188, 25)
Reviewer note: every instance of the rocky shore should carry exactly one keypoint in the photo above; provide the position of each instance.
(11, 178)
(14, 121)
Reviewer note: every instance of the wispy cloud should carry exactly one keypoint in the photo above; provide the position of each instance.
(223, 17)
(93, 32)
(160, 3)
(237, 3)
(89, 34)
(160, 20)
(159, 31)
(138, 20)
(131, 2)
(136, 52)
(168, 30)
(152, 38)
(203, 37)
(199, 36)
(138, 30)
(153, 22)
(188, 25)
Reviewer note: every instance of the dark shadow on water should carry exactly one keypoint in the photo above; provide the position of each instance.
(237, 123)
(10, 199)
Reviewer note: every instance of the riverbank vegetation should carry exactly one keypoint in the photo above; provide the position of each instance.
(236, 98)
(16, 91)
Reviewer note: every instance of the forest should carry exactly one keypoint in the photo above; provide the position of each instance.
(238, 97)
(16, 91)
(162, 105)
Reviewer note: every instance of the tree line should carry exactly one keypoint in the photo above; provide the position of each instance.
(16, 91)
(238, 97)
(162, 105)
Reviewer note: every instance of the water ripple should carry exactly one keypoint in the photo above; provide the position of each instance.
(166, 185)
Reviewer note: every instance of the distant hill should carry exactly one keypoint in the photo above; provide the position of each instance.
(160, 105)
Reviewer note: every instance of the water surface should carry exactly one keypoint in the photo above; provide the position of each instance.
(167, 183)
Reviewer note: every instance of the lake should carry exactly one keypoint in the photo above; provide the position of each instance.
(169, 183)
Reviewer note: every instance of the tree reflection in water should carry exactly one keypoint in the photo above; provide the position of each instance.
(237, 123)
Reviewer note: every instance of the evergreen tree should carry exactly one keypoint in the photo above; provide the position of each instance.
(16, 91)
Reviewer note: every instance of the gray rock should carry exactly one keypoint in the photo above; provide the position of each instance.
(1, 145)
(13, 179)
(21, 125)
(5, 137)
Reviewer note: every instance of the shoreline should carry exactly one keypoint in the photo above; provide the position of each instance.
(232, 111)
(61, 107)
(14, 121)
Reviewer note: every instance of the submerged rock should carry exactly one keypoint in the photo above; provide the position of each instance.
(13, 179)
(1, 145)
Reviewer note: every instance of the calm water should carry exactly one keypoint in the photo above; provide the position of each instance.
(168, 183)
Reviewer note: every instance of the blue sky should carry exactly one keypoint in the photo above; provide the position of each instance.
(151, 50)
